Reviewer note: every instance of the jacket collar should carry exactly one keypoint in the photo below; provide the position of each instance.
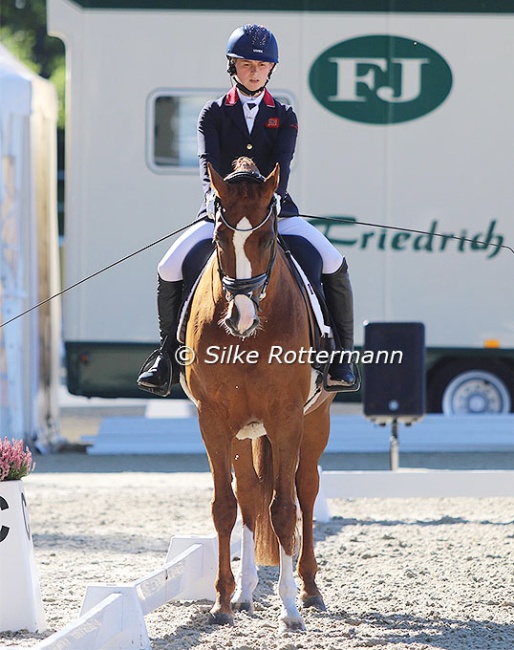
(232, 98)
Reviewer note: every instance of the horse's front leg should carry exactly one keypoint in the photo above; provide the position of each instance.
(224, 512)
(284, 515)
(247, 490)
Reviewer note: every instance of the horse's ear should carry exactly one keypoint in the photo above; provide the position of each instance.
(217, 181)
(272, 180)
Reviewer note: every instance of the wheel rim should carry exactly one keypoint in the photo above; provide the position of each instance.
(476, 392)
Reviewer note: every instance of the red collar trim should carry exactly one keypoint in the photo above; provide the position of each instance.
(268, 100)
(232, 98)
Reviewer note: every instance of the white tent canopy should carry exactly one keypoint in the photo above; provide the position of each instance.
(29, 256)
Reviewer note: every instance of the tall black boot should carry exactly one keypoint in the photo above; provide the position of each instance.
(339, 297)
(164, 370)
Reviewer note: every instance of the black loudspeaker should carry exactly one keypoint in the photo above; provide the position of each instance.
(393, 363)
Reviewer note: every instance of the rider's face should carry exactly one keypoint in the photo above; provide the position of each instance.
(253, 74)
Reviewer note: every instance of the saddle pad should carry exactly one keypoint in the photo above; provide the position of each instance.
(325, 330)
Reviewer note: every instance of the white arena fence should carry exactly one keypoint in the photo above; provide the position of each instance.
(112, 616)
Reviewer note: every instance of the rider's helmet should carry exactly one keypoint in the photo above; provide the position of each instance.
(252, 42)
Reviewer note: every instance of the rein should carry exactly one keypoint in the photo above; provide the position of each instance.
(102, 270)
(175, 232)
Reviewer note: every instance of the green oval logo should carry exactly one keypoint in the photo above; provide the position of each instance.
(380, 79)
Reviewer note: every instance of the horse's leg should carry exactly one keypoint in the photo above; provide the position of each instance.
(247, 490)
(315, 437)
(224, 511)
(285, 436)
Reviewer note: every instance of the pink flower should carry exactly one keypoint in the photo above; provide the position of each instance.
(15, 462)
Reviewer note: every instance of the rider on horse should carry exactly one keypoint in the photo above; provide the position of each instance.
(248, 121)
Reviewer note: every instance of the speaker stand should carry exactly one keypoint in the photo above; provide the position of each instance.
(394, 452)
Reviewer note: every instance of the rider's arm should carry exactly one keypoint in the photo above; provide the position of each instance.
(208, 142)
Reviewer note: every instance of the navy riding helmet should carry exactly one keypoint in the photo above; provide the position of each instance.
(252, 42)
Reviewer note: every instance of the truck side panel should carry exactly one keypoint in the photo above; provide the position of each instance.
(443, 170)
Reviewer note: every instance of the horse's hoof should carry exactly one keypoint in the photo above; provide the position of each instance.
(244, 606)
(220, 618)
(291, 625)
(314, 601)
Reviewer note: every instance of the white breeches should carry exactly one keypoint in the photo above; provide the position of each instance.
(170, 266)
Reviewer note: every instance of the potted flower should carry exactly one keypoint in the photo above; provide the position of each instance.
(15, 462)
(20, 595)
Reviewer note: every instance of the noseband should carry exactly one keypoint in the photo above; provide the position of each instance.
(254, 287)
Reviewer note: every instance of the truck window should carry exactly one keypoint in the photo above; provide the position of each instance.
(174, 130)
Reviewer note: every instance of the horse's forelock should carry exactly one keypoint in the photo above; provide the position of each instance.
(244, 164)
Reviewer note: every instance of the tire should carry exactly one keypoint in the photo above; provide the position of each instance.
(471, 388)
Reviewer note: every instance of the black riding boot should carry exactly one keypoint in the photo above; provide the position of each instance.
(339, 297)
(156, 378)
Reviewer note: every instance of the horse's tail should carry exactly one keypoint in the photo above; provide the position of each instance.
(266, 543)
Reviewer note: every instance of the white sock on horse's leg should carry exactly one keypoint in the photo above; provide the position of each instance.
(247, 577)
(290, 618)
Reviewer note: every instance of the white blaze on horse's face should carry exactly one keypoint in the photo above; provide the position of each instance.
(243, 264)
(245, 306)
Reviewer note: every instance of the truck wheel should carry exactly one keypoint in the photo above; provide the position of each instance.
(462, 388)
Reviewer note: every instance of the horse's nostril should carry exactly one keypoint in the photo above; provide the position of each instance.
(233, 315)
(236, 326)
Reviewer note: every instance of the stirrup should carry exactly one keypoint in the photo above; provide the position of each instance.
(164, 389)
(339, 388)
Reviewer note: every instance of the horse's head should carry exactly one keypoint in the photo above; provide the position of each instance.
(245, 236)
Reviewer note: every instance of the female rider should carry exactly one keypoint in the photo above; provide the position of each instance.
(248, 121)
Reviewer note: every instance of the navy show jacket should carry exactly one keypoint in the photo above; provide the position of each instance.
(223, 137)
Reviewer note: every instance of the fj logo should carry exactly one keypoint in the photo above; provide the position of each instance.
(372, 70)
(380, 79)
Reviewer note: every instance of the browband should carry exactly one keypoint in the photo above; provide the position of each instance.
(235, 177)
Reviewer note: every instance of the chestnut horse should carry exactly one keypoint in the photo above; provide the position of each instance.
(252, 397)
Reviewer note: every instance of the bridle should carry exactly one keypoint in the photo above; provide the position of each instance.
(254, 287)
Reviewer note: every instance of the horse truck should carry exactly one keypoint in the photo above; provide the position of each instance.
(406, 137)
